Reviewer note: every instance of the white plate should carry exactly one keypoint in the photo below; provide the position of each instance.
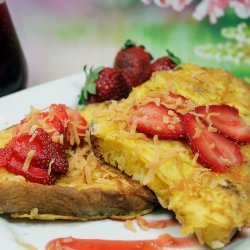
(12, 109)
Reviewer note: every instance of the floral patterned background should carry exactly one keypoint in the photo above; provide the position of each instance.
(60, 36)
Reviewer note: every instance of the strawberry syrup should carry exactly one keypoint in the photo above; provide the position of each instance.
(162, 241)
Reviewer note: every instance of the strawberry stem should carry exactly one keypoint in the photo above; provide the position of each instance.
(176, 60)
(90, 86)
(129, 43)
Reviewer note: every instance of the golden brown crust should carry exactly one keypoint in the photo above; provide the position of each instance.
(69, 203)
(72, 198)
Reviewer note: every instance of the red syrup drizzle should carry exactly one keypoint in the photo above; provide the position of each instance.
(164, 240)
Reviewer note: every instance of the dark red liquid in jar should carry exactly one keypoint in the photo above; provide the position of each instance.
(12, 63)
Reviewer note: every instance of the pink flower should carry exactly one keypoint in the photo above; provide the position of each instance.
(241, 7)
(147, 1)
(212, 8)
(177, 5)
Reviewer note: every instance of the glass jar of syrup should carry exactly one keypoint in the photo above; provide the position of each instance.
(13, 71)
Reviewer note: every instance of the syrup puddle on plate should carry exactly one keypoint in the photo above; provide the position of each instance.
(164, 240)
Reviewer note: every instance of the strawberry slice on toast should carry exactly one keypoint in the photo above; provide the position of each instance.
(227, 120)
(152, 120)
(214, 150)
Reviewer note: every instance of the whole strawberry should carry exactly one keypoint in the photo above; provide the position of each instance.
(134, 61)
(166, 62)
(103, 84)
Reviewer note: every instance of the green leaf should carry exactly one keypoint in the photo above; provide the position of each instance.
(85, 94)
(129, 43)
(90, 86)
(81, 99)
(97, 71)
(173, 57)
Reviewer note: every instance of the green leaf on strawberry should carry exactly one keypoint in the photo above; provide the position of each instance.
(90, 86)
(176, 60)
(129, 43)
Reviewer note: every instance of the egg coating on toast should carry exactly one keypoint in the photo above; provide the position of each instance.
(211, 205)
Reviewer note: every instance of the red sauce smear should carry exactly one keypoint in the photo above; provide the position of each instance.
(162, 241)
(246, 227)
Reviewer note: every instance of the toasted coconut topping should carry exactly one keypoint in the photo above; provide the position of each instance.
(200, 124)
(152, 166)
(82, 162)
(126, 134)
(171, 113)
(25, 245)
(67, 240)
(130, 226)
(51, 115)
(156, 139)
(142, 223)
(61, 139)
(133, 127)
(197, 133)
(73, 134)
(194, 160)
(90, 166)
(33, 135)
(34, 110)
(50, 165)
(34, 212)
(28, 159)
(175, 120)
(208, 118)
(226, 161)
(158, 128)
(32, 129)
(165, 119)
(77, 161)
(211, 128)
(207, 108)
(171, 127)
(196, 114)
(158, 158)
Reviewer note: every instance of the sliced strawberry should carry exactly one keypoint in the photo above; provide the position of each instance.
(5, 156)
(227, 120)
(158, 120)
(73, 122)
(60, 112)
(53, 122)
(21, 146)
(77, 120)
(46, 151)
(33, 174)
(50, 124)
(177, 102)
(215, 151)
(58, 158)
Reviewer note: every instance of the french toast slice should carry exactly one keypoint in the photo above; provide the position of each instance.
(211, 205)
(90, 190)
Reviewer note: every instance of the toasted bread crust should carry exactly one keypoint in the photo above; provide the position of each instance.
(72, 198)
(87, 204)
